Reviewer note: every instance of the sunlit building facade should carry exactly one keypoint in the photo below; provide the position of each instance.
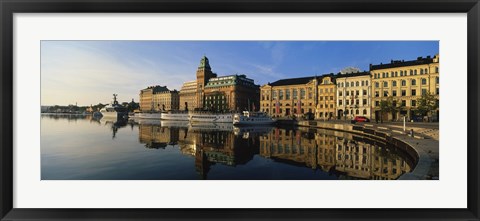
(326, 103)
(354, 95)
(405, 82)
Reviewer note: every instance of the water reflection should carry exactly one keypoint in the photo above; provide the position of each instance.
(222, 151)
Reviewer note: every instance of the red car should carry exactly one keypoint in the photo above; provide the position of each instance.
(360, 119)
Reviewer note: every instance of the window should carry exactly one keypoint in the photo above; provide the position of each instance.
(331, 98)
(339, 93)
(385, 84)
(401, 73)
(421, 71)
(321, 91)
(357, 84)
(404, 93)
(411, 72)
(385, 93)
(376, 94)
(357, 101)
(363, 83)
(415, 72)
(274, 95)
(295, 94)
(437, 80)
(348, 93)
(287, 94)
(364, 92)
(347, 84)
(394, 83)
(394, 93)
(414, 92)
(424, 91)
(321, 98)
(396, 74)
(364, 112)
(404, 103)
(376, 84)
(414, 82)
(437, 91)
(357, 112)
(280, 95)
(364, 101)
(436, 69)
(346, 102)
(414, 103)
(404, 83)
(377, 103)
(302, 93)
(426, 71)
(424, 81)
(357, 92)
(366, 83)
(339, 102)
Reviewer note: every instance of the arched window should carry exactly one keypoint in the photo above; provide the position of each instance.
(424, 81)
(426, 71)
(357, 84)
(347, 84)
(366, 83)
(415, 72)
(414, 82)
(411, 72)
(364, 112)
(421, 71)
(363, 83)
(401, 73)
(404, 83)
(394, 83)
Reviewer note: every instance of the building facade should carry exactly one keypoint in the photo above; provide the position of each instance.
(188, 96)
(166, 100)
(225, 93)
(289, 97)
(403, 83)
(326, 103)
(147, 103)
(354, 94)
(233, 92)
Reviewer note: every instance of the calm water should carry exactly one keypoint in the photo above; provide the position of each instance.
(83, 148)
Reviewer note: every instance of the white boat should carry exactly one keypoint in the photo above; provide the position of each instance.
(211, 117)
(249, 118)
(114, 110)
(152, 115)
(172, 115)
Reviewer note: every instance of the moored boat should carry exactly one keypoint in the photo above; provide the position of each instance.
(175, 115)
(114, 110)
(211, 117)
(249, 118)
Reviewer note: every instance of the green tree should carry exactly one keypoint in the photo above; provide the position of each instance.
(390, 105)
(426, 104)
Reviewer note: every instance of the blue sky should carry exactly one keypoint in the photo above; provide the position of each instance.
(89, 72)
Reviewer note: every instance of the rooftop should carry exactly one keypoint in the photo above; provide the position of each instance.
(292, 81)
(403, 63)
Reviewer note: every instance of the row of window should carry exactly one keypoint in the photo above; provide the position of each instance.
(353, 84)
(403, 83)
(353, 102)
(353, 93)
(403, 103)
(402, 73)
(413, 92)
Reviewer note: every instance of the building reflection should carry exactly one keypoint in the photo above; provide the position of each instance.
(343, 155)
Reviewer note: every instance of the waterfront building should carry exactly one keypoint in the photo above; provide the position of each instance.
(188, 95)
(404, 82)
(166, 100)
(158, 98)
(354, 95)
(289, 97)
(326, 103)
(224, 93)
(233, 92)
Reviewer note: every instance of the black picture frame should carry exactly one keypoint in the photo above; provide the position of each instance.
(9, 7)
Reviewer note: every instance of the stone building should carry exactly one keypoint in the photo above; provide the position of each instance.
(404, 82)
(224, 93)
(158, 98)
(326, 103)
(354, 94)
(289, 97)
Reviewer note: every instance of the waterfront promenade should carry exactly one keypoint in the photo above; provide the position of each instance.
(425, 141)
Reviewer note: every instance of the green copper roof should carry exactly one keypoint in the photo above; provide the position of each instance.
(204, 63)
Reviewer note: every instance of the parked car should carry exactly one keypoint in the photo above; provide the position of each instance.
(360, 119)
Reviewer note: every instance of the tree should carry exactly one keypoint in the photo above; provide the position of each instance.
(390, 105)
(426, 104)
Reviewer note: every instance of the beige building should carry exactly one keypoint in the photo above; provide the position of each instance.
(188, 97)
(289, 97)
(405, 82)
(158, 98)
(326, 98)
(354, 94)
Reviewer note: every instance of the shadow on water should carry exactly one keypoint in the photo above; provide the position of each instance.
(226, 152)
